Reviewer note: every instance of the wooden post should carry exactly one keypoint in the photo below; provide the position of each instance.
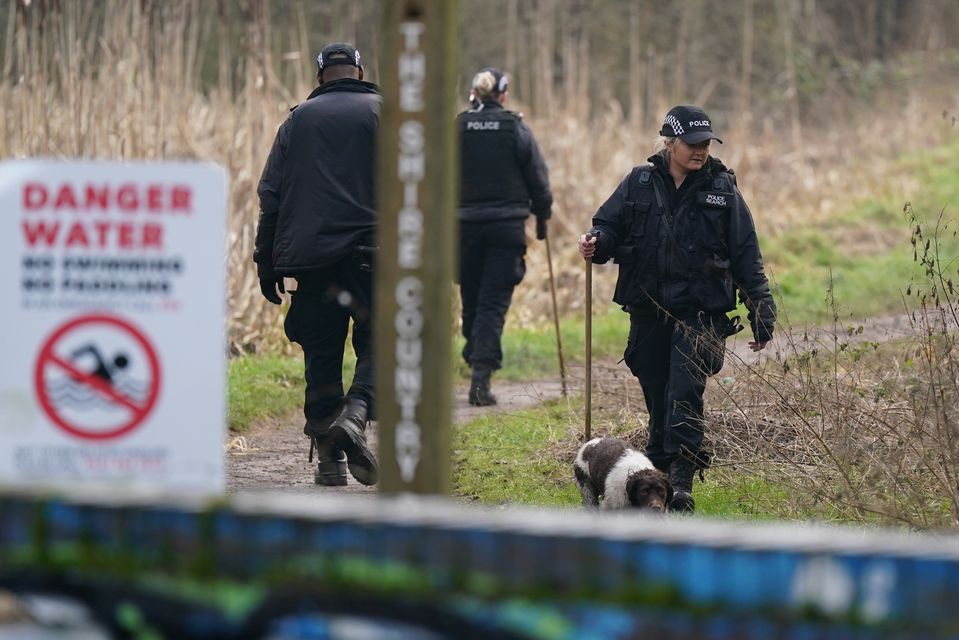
(417, 192)
(588, 409)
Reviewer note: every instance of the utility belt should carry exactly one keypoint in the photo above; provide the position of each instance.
(724, 325)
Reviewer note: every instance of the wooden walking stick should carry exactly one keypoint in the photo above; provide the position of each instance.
(589, 344)
(541, 234)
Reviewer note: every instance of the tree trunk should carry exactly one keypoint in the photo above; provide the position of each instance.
(681, 53)
(512, 18)
(544, 30)
(744, 101)
(636, 75)
(792, 88)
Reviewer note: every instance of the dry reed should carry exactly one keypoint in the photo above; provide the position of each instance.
(126, 80)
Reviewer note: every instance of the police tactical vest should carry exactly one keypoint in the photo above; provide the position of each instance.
(682, 250)
(491, 172)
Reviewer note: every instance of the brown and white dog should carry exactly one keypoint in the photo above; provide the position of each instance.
(624, 477)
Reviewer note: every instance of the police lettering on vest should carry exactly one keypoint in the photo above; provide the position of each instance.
(489, 125)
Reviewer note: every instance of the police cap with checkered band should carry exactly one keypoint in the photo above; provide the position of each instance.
(688, 123)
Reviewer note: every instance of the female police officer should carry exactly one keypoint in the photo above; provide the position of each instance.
(504, 177)
(685, 242)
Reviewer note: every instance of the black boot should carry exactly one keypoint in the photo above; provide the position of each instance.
(681, 471)
(348, 432)
(480, 394)
(331, 461)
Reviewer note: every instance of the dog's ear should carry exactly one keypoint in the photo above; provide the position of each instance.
(669, 490)
(632, 484)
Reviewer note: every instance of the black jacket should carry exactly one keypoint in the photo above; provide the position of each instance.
(686, 250)
(503, 172)
(316, 191)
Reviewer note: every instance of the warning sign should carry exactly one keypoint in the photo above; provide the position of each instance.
(113, 328)
(97, 377)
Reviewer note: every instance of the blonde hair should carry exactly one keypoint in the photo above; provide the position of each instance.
(484, 85)
(663, 143)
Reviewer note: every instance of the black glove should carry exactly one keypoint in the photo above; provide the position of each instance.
(733, 326)
(540, 228)
(269, 283)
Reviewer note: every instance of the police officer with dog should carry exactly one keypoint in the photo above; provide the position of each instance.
(504, 178)
(685, 243)
(316, 225)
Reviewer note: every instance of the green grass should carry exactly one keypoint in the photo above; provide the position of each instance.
(262, 386)
(730, 495)
(865, 253)
(527, 457)
(504, 458)
(530, 353)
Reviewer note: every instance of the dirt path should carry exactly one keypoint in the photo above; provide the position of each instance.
(272, 455)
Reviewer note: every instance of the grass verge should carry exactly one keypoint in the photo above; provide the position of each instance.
(527, 458)
(864, 255)
(504, 458)
(262, 386)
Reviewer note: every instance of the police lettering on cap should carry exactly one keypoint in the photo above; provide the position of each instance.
(338, 53)
(688, 123)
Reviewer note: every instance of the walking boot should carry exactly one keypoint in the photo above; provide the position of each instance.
(331, 461)
(348, 432)
(681, 471)
(480, 394)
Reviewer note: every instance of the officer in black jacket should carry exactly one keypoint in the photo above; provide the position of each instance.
(316, 225)
(685, 243)
(504, 177)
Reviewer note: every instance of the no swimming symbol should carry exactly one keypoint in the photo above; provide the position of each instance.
(97, 377)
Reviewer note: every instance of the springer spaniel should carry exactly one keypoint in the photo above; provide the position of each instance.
(624, 477)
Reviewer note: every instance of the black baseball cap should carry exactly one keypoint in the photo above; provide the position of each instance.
(338, 53)
(690, 124)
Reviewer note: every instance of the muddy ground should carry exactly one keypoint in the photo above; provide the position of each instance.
(273, 454)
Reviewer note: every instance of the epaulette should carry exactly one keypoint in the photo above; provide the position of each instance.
(720, 181)
(645, 173)
(518, 114)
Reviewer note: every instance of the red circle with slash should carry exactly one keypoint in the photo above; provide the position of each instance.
(48, 358)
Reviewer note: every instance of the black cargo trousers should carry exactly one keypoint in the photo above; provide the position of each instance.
(492, 263)
(672, 354)
(319, 320)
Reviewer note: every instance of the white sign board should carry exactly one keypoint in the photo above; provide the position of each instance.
(112, 337)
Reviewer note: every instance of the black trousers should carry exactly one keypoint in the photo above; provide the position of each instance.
(491, 265)
(319, 319)
(672, 355)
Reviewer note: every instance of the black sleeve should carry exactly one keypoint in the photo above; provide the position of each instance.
(610, 222)
(534, 171)
(748, 273)
(269, 193)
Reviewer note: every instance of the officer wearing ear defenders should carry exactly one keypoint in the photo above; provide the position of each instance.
(685, 243)
(504, 178)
